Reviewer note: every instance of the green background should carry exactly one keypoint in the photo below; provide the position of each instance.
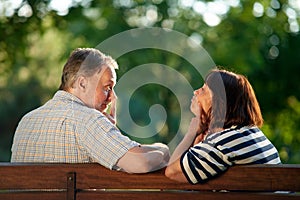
(259, 39)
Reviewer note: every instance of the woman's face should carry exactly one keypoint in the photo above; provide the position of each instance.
(201, 100)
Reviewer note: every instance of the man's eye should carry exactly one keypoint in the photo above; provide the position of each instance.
(108, 89)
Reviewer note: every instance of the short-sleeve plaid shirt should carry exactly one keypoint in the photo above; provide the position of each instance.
(65, 130)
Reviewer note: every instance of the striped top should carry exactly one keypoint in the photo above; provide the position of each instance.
(67, 131)
(211, 157)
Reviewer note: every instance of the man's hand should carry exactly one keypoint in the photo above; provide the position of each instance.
(112, 115)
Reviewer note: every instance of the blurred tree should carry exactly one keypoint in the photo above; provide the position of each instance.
(257, 38)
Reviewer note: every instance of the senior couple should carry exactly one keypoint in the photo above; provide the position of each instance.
(75, 126)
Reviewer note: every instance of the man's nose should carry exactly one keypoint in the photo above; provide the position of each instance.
(112, 96)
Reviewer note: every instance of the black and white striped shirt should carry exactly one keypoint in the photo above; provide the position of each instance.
(211, 157)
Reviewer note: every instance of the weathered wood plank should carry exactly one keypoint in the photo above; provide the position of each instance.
(255, 178)
(184, 195)
(94, 176)
(33, 196)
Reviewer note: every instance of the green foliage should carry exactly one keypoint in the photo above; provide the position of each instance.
(264, 46)
(283, 130)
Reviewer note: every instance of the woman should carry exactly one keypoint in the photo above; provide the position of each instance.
(224, 132)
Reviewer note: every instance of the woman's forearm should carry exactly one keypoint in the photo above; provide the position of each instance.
(187, 141)
(181, 148)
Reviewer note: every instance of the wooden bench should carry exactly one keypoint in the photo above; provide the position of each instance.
(92, 181)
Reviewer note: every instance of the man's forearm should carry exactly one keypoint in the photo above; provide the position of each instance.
(145, 158)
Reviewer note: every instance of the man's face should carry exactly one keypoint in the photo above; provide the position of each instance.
(100, 91)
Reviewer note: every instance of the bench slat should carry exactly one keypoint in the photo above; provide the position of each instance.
(33, 196)
(94, 176)
(184, 195)
(148, 195)
(237, 178)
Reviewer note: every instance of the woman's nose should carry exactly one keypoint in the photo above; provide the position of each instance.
(196, 92)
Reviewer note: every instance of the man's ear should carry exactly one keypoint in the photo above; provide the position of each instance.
(81, 83)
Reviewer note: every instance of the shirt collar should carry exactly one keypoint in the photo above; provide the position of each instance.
(64, 95)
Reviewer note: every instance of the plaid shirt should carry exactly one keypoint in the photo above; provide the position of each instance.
(65, 130)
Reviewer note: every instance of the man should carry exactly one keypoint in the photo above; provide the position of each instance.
(73, 127)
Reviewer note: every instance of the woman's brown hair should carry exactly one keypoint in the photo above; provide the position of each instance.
(233, 101)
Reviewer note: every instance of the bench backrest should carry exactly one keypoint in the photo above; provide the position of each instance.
(91, 181)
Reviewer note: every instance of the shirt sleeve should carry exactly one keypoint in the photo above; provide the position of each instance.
(104, 142)
(203, 162)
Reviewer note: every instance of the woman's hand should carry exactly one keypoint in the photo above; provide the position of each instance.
(195, 131)
(194, 127)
